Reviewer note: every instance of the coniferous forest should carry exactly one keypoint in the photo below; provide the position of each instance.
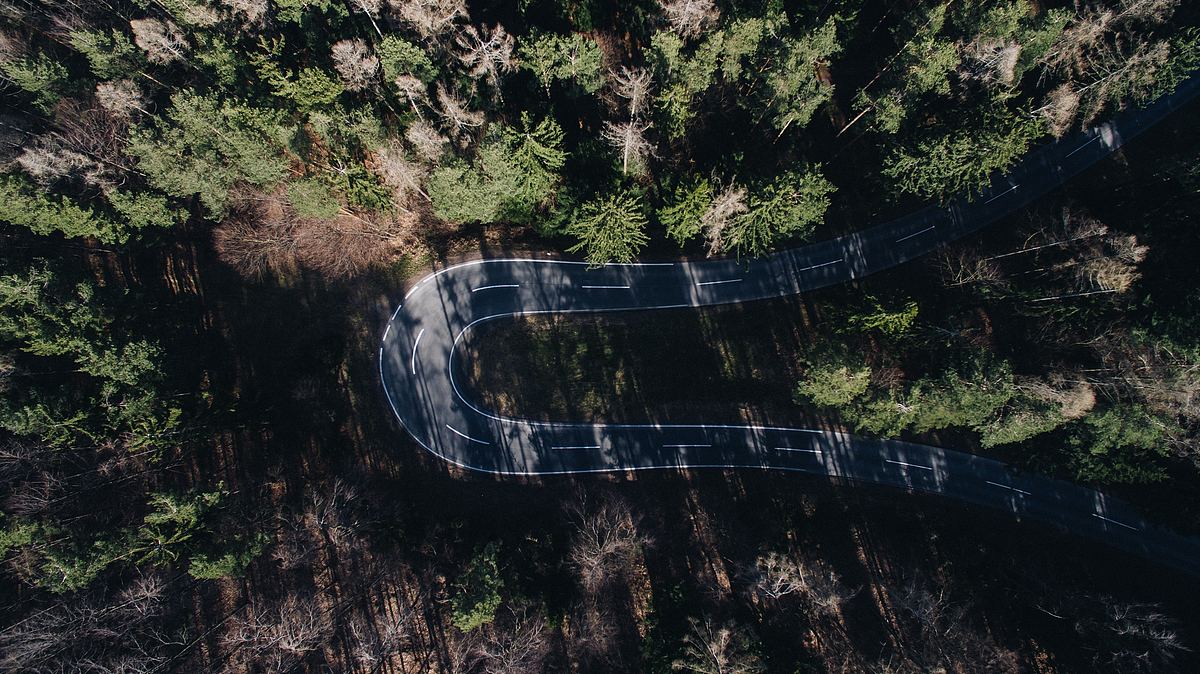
(209, 208)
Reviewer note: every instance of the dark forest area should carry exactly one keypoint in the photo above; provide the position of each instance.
(208, 209)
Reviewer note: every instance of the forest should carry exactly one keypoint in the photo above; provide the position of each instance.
(208, 208)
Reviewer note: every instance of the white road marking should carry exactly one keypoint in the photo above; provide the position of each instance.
(458, 432)
(575, 447)
(414, 288)
(1093, 140)
(716, 283)
(683, 446)
(397, 311)
(605, 287)
(413, 363)
(1005, 486)
(1120, 524)
(823, 264)
(1001, 194)
(502, 285)
(906, 238)
(387, 332)
(796, 449)
(910, 465)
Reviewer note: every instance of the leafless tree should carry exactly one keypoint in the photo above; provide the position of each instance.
(375, 641)
(253, 12)
(372, 10)
(1062, 105)
(518, 644)
(334, 512)
(991, 61)
(726, 207)
(775, 576)
(632, 85)
(404, 175)
(354, 63)
(121, 98)
(689, 18)
(432, 19)
(162, 41)
(87, 143)
(257, 236)
(629, 140)
(486, 52)
(413, 90)
(607, 538)
(278, 637)
(962, 265)
(593, 634)
(712, 648)
(1131, 637)
(943, 635)
(454, 111)
(426, 141)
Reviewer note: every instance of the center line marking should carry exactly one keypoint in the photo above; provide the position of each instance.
(1120, 524)
(1093, 140)
(910, 465)
(906, 238)
(823, 264)
(460, 433)
(605, 287)
(796, 449)
(413, 364)
(503, 285)
(714, 283)
(1004, 486)
(575, 447)
(387, 332)
(1001, 194)
(684, 446)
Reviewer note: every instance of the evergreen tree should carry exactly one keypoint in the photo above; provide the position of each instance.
(610, 228)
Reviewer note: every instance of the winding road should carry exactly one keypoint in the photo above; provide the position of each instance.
(423, 381)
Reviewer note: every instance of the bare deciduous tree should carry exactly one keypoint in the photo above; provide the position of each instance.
(632, 85)
(712, 648)
(426, 141)
(629, 140)
(354, 63)
(121, 98)
(607, 538)
(726, 207)
(413, 90)
(486, 52)
(689, 18)
(253, 12)
(776, 576)
(430, 18)
(162, 41)
(400, 173)
(277, 637)
(519, 644)
(454, 111)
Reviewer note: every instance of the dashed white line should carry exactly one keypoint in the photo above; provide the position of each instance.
(387, 332)
(575, 447)
(796, 449)
(605, 287)
(460, 433)
(1093, 140)
(910, 465)
(413, 363)
(717, 283)
(906, 238)
(823, 264)
(501, 285)
(683, 446)
(1001, 194)
(1120, 524)
(1010, 488)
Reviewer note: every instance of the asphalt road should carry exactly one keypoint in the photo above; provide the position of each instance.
(423, 381)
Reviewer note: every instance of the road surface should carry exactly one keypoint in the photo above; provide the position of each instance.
(423, 381)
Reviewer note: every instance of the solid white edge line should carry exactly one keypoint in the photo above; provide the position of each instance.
(906, 238)
(683, 446)
(605, 287)
(413, 363)
(575, 447)
(1000, 195)
(714, 283)
(460, 433)
(1120, 524)
(910, 465)
(503, 285)
(1010, 488)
